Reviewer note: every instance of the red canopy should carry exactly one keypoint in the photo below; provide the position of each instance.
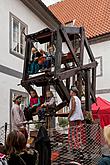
(101, 110)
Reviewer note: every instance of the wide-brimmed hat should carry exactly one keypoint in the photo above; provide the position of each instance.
(16, 97)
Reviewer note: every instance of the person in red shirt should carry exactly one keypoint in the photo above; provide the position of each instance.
(34, 101)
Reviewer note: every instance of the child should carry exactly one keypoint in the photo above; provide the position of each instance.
(34, 65)
(34, 101)
(43, 60)
(35, 105)
(105, 160)
(50, 100)
(51, 54)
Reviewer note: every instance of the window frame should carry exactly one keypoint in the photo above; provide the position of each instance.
(101, 70)
(12, 16)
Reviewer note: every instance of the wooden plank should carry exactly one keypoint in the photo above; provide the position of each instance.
(89, 49)
(72, 30)
(71, 72)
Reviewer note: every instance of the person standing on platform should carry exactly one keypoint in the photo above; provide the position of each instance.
(75, 119)
(17, 115)
(75, 116)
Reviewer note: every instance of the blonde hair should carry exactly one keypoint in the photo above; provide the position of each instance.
(49, 94)
(107, 134)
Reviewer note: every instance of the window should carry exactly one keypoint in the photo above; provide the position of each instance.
(99, 66)
(17, 37)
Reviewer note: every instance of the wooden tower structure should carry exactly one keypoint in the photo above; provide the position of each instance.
(56, 77)
(57, 34)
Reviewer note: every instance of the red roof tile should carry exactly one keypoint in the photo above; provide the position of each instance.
(94, 15)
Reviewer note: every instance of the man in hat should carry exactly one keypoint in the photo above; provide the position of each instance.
(17, 115)
(75, 114)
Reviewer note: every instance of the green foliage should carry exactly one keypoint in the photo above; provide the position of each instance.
(63, 122)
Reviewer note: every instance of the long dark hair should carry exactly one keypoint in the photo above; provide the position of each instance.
(16, 142)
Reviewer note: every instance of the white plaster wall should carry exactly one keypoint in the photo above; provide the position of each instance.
(102, 82)
(103, 49)
(17, 8)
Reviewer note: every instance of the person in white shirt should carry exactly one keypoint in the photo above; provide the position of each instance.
(75, 116)
(17, 115)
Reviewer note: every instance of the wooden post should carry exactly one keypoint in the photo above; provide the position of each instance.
(87, 90)
(79, 75)
(26, 59)
(58, 54)
(94, 80)
(89, 51)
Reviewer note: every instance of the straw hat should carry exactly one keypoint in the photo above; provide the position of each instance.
(16, 97)
(107, 134)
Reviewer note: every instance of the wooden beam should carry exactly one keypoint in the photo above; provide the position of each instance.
(68, 79)
(27, 87)
(94, 79)
(27, 58)
(81, 56)
(61, 105)
(87, 90)
(58, 54)
(82, 33)
(72, 30)
(61, 114)
(61, 90)
(89, 51)
(71, 72)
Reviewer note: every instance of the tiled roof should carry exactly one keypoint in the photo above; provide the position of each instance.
(94, 15)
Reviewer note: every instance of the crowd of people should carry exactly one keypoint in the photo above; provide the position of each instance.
(38, 105)
(16, 151)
